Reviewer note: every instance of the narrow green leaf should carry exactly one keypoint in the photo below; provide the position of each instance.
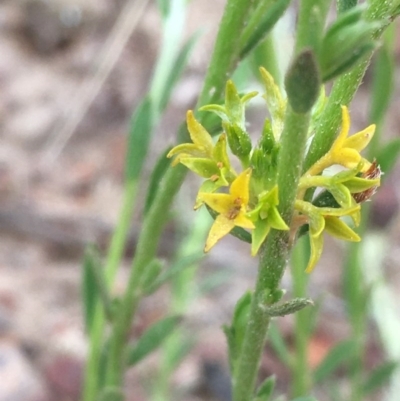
(302, 82)
(289, 307)
(278, 344)
(151, 272)
(89, 286)
(139, 139)
(176, 355)
(260, 24)
(156, 176)
(266, 388)
(214, 280)
(344, 5)
(173, 270)
(305, 398)
(235, 332)
(388, 156)
(177, 69)
(151, 339)
(338, 355)
(379, 377)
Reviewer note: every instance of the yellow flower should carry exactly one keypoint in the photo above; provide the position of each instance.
(327, 219)
(232, 208)
(202, 146)
(345, 150)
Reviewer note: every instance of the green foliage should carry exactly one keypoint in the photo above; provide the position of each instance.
(340, 354)
(156, 280)
(235, 332)
(265, 390)
(379, 377)
(90, 293)
(157, 175)
(264, 19)
(346, 42)
(139, 139)
(279, 345)
(151, 339)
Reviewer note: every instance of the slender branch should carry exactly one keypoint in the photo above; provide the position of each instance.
(273, 255)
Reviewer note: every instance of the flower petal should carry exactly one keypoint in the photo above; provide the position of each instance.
(346, 157)
(317, 244)
(240, 186)
(220, 154)
(203, 167)
(344, 130)
(187, 149)
(339, 229)
(361, 139)
(222, 226)
(221, 203)
(241, 220)
(199, 134)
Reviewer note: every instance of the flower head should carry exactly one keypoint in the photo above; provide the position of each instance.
(232, 208)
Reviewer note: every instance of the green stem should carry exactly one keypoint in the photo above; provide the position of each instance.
(117, 246)
(226, 50)
(224, 60)
(311, 23)
(145, 251)
(301, 374)
(273, 255)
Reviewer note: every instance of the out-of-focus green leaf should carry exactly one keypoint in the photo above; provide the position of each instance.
(214, 280)
(139, 139)
(379, 377)
(278, 344)
(388, 155)
(152, 338)
(338, 355)
(174, 269)
(266, 388)
(344, 5)
(156, 176)
(235, 332)
(260, 24)
(177, 69)
(305, 398)
(151, 272)
(90, 292)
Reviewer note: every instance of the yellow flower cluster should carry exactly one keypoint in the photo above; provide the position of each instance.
(251, 198)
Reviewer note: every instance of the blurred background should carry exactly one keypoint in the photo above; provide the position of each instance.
(71, 72)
